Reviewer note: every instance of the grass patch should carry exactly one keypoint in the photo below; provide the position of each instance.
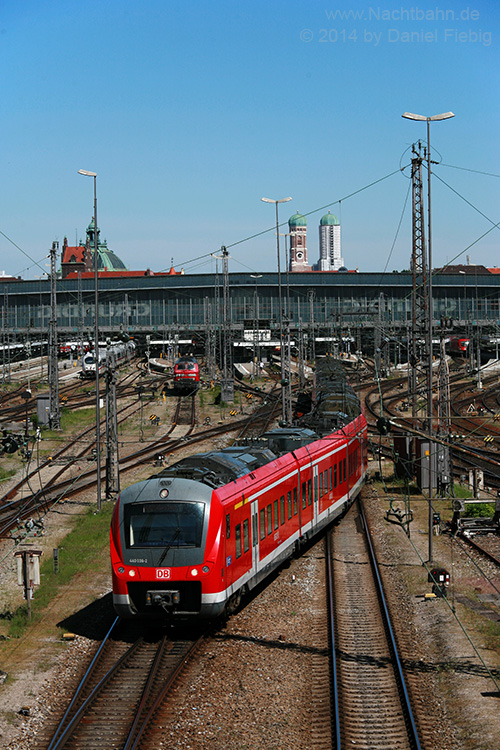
(71, 419)
(6, 474)
(491, 631)
(77, 555)
(462, 491)
(10, 717)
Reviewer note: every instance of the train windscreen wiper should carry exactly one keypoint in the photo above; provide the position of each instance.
(171, 541)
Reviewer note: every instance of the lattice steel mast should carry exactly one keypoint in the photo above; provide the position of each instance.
(227, 380)
(112, 455)
(444, 458)
(419, 299)
(54, 407)
(209, 339)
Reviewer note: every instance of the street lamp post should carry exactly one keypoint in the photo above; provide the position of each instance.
(428, 120)
(284, 415)
(96, 342)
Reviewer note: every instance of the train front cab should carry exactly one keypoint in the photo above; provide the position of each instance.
(186, 374)
(250, 526)
(165, 550)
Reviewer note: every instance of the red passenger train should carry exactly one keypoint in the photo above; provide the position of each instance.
(186, 375)
(189, 542)
(458, 345)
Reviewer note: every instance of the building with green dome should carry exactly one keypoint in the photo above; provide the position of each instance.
(297, 220)
(297, 226)
(80, 258)
(330, 255)
(107, 260)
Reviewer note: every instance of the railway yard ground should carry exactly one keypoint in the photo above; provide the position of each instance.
(255, 681)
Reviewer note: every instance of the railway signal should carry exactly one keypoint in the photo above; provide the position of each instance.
(28, 572)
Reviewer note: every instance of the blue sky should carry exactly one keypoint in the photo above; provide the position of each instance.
(191, 111)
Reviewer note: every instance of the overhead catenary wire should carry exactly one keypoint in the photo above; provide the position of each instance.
(284, 223)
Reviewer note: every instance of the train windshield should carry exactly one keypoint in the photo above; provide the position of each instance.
(164, 524)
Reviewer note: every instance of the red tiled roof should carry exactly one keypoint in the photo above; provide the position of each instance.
(73, 254)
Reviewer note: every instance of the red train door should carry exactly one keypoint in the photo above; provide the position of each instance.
(229, 561)
(255, 535)
(315, 492)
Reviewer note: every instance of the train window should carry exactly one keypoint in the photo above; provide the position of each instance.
(304, 497)
(289, 504)
(309, 492)
(331, 483)
(276, 517)
(282, 510)
(269, 519)
(295, 502)
(237, 539)
(326, 481)
(321, 484)
(263, 523)
(335, 475)
(340, 471)
(164, 525)
(343, 469)
(228, 526)
(246, 535)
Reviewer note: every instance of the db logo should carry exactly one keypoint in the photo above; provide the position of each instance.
(163, 572)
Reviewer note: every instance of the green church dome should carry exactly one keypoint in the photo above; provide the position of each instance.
(107, 260)
(329, 220)
(297, 220)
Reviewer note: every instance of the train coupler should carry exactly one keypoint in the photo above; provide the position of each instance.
(163, 599)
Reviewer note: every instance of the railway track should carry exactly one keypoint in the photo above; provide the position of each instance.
(55, 488)
(488, 547)
(371, 706)
(469, 453)
(115, 703)
(14, 406)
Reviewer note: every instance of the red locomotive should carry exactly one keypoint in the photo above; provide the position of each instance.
(186, 375)
(458, 345)
(189, 542)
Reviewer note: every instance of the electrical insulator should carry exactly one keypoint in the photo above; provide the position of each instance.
(9, 444)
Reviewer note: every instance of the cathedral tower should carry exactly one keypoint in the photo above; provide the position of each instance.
(297, 225)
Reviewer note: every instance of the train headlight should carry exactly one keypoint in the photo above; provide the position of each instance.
(121, 569)
(194, 572)
(131, 573)
(205, 569)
